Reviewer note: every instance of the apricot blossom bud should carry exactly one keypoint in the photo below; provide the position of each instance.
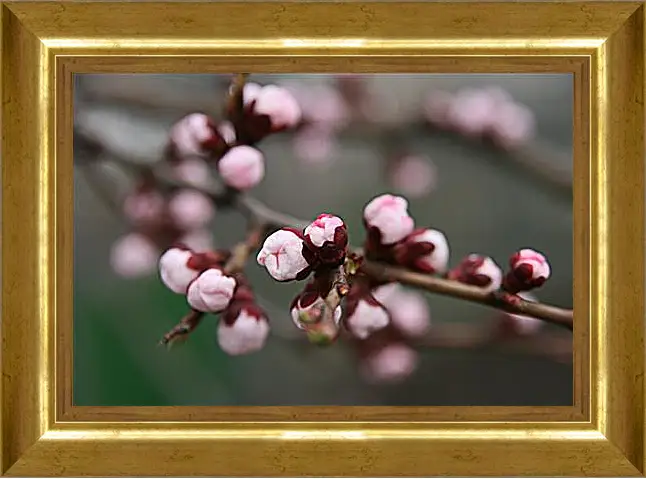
(413, 175)
(211, 292)
(242, 167)
(529, 270)
(388, 215)
(282, 254)
(308, 308)
(243, 328)
(133, 255)
(479, 271)
(279, 105)
(190, 209)
(327, 237)
(409, 311)
(391, 363)
(175, 271)
(520, 324)
(424, 250)
(365, 315)
(195, 135)
(144, 207)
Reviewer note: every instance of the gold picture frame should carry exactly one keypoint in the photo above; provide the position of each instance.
(45, 43)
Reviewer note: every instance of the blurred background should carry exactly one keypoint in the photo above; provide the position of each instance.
(366, 135)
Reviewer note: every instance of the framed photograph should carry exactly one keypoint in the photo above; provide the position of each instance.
(323, 239)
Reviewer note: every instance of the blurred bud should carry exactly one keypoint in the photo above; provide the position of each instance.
(144, 207)
(242, 167)
(479, 271)
(436, 107)
(283, 255)
(314, 146)
(424, 250)
(388, 215)
(308, 307)
(211, 292)
(193, 171)
(279, 105)
(133, 255)
(390, 364)
(198, 240)
(413, 175)
(409, 310)
(364, 314)
(250, 92)
(227, 132)
(327, 237)
(512, 125)
(471, 111)
(174, 270)
(195, 135)
(190, 209)
(243, 328)
(519, 324)
(529, 270)
(322, 105)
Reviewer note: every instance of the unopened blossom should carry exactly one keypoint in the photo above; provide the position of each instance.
(250, 92)
(279, 105)
(315, 146)
(365, 315)
(512, 125)
(308, 307)
(436, 106)
(144, 207)
(193, 171)
(472, 111)
(243, 329)
(133, 255)
(190, 209)
(424, 250)
(391, 363)
(174, 269)
(282, 254)
(211, 292)
(479, 271)
(195, 135)
(521, 324)
(198, 240)
(388, 214)
(413, 175)
(327, 237)
(409, 310)
(529, 269)
(242, 167)
(322, 106)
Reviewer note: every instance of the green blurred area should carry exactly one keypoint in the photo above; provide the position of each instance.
(479, 204)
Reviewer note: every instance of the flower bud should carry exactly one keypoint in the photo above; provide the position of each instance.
(388, 215)
(243, 328)
(315, 146)
(193, 171)
(424, 250)
(144, 207)
(308, 307)
(174, 270)
(198, 240)
(279, 105)
(529, 270)
(512, 125)
(133, 255)
(195, 135)
(409, 311)
(190, 209)
(413, 175)
(471, 111)
(211, 292)
(283, 255)
(327, 237)
(242, 167)
(365, 315)
(391, 363)
(479, 271)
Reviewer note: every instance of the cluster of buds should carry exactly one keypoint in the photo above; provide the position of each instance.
(158, 220)
(243, 327)
(488, 113)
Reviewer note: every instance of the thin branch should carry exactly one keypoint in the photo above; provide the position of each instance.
(185, 327)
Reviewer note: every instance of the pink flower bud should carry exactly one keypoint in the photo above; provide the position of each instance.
(198, 240)
(307, 309)
(250, 92)
(512, 125)
(413, 175)
(471, 111)
(279, 105)
(193, 171)
(529, 270)
(134, 255)
(327, 237)
(242, 167)
(322, 106)
(425, 250)
(195, 135)
(436, 106)
(388, 215)
(365, 315)
(409, 311)
(243, 329)
(144, 207)
(283, 255)
(389, 364)
(479, 271)
(211, 292)
(520, 324)
(314, 146)
(174, 270)
(190, 209)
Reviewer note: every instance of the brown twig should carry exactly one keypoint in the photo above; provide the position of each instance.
(185, 327)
